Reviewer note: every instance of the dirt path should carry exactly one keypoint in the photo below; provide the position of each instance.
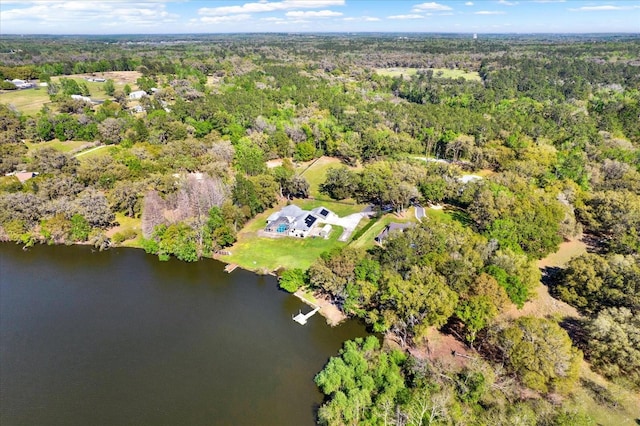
(80, 154)
(442, 348)
(543, 305)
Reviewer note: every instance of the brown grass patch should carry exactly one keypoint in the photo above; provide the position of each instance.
(118, 77)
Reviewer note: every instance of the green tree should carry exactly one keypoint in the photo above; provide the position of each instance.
(409, 306)
(291, 280)
(360, 384)
(244, 194)
(80, 228)
(249, 158)
(540, 352)
(109, 88)
(340, 183)
(592, 282)
(613, 343)
(513, 285)
(304, 151)
(476, 313)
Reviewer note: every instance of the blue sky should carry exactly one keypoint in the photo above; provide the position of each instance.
(221, 16)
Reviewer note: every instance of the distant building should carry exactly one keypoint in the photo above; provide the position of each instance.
(138, 94)
(81, 98)
(390, 228)
(23, 176)
(469, 178)
(21, 84)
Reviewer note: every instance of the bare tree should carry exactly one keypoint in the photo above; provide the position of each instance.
(152, 213)
(111, 130)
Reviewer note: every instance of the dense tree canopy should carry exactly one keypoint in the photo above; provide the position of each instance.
(538, 141)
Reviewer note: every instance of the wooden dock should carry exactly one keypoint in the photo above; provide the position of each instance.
(302, 318)
(230, 268)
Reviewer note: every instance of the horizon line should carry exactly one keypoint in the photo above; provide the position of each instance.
(323, 33)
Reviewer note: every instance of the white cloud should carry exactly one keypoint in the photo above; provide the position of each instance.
(469, 3)
(225, 19)
(603, 8)
(313, 14)
(507, 3)
(410, 16)
(266, 6)
(294, 21)
(361, 18)
(116, 12)
(430, 7)
(549, 1)
(489, 12)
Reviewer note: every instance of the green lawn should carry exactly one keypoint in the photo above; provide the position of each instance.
(66, 146)
(29, 101)
(366, 240)
(98, 151)
(96, 90)
(607, 402)
(397, 71)
(316, 174)
(267, 254)
(437, 72)
(341, 209)
(127, 223)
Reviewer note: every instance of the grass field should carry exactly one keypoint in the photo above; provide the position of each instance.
(66, 146)
(608, 403)
(437, 72)
(28, 101)
(127, 224)
(31, 101)
(267, 254)
(98, 151)
(341, 209)
(316, 173)
(366, 240)
(95, 89)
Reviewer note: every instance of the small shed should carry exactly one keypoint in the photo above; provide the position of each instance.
(392, 227)
(325, 231)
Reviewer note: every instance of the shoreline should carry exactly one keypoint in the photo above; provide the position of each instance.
(331, 313)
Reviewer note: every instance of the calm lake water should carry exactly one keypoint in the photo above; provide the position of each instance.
(119, 338)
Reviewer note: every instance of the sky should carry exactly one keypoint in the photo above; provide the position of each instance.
(223, 16)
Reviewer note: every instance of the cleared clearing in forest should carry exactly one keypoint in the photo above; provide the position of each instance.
(437, 73)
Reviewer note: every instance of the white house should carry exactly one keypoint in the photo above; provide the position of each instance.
(81, 98)
(295, 222)
(138, 94)
(21, 84)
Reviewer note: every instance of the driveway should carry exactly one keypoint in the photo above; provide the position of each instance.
(349, 223)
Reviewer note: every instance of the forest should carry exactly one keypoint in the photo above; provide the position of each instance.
(548, 126)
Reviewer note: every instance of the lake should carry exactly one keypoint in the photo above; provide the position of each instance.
(119, 338)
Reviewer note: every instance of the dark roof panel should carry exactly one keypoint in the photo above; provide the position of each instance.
(310, 220)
